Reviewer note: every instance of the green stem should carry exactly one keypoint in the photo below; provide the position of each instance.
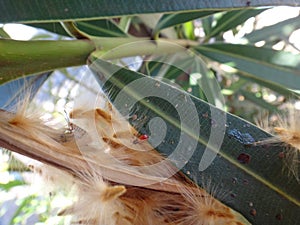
(21, 58)
(116, 48)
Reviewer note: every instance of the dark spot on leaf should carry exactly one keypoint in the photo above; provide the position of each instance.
(279, 216)
(253, 212)
(205, 115)
(244, 158)
(245, 181)
(266, 146)
(281, 155)
(134, 117)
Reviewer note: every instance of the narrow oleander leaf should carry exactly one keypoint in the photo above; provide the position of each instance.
(33, 11)
(276, 32)
(277, 67)
(207, 23)
(234, 87)
(169, 20)
(259, 101)
(124, 23)
(24, 203)
(231, 20)
(54, 27)
(101, 28)
(271, 85)
(253, 174)
(11, 184)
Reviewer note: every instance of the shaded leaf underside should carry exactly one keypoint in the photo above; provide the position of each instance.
(55, 10)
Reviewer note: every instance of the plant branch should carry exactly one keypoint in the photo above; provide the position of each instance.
(70, 159)
(21, 58)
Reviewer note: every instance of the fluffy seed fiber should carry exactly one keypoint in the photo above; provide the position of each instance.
(109, 169)
(287, 132)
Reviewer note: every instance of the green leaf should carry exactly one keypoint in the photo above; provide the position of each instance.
(277, 67)
(188, 30)
(124, 23)
(278, 31)
(23, 205)
(11, 184)
(208, 84)
(232, 19)
(3, 33)
(234, 87)
(199, 80)
(101, 28)
(159, 69)
(207, 24)
(51, 27)
(260, 102)
(280, 89)
(257, 183)
(170, 20)
(56, 10)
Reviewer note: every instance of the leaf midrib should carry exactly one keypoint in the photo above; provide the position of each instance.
(221, 153)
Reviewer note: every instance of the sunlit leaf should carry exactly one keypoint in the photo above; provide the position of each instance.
(11, 184)
(23, 205)
(277, 67)
(260, 102)
(280, 89)
(278, 31)
(232, 19)
(169, 20)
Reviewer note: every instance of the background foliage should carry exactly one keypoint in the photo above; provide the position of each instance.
(256, 66)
